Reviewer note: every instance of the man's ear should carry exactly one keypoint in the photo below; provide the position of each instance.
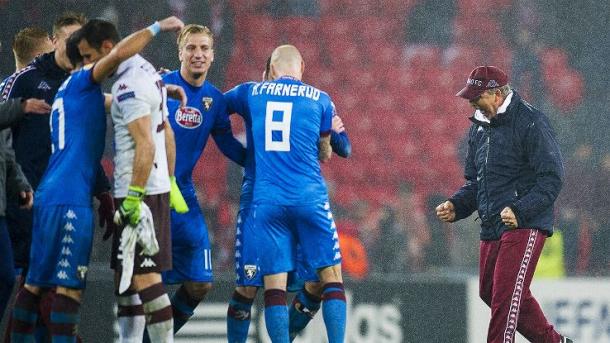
(107, 45)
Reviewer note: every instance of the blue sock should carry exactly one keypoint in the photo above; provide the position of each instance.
(64, 319)
(183, 308)
(276, 315)
(333, 310)
(238, 318)
(25, 315)
(303, 309)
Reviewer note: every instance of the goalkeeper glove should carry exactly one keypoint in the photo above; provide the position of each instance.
(129, 211)
(176, 201)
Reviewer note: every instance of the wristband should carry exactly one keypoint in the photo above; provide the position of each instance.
(136, 192)
(154, 28)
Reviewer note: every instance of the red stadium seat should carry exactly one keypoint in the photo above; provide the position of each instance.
(299, 29)
(380, 29)
(252, 26)
(422, 56)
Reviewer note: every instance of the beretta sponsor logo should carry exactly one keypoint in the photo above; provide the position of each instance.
(188, 117)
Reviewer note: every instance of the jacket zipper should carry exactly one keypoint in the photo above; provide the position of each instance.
(488, 129)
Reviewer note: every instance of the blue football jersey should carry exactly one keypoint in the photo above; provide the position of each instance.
(205, 113)
(78, 130)
(288, 118)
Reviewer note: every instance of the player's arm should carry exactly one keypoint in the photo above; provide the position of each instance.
(338, 138)
(176, 201)
(141, 133)
(464, 201)
(226, 142)
(324, 149)
(16, 182)
(132, 45)
(177, 92)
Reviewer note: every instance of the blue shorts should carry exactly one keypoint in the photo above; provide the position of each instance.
(280, 229)
(62, 236)
(247, 268)
(191, 251)
(247, 271)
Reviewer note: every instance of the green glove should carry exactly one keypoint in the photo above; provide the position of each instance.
(129, 211)
(176, 201)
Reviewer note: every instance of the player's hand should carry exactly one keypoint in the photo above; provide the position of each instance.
(162, 71)
(129, 211)
(26, 199)
(37, 106)
(337, 124)
(172, 24)
(106, 213)
(508, 218)
(178, 93)
(176, 201)
(446, 211)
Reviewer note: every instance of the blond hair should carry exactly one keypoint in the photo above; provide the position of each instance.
(193, 29)
(27, 43)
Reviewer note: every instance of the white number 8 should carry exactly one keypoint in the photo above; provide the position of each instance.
(282, 126)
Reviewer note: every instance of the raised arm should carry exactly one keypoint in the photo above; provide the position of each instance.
(132, 45)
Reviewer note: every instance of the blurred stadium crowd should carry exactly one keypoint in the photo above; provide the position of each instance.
(393, 68)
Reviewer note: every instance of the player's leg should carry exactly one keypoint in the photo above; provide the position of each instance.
(274, 233)
(25, 314)
(239, 313)
(65, 314)
(248, 279)
(304, 307)
(333, 303)
(320, 247)
(191, 263)
(63, 236)
(276, 312)
(511, 297)
(7, 267)
(146, 298)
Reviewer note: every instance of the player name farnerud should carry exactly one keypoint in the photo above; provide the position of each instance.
(282, 89)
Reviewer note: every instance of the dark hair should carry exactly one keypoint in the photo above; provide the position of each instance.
(96, 31)
(72, 48)
(67, 19)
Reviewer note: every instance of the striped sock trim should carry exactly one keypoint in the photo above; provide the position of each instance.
(333, 291)
(275, 297)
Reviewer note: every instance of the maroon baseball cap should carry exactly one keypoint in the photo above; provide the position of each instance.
(481, 79)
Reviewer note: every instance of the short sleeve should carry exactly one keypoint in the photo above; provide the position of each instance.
(130, 99)
(327, 118)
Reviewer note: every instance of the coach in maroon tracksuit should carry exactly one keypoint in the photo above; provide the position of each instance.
(514, 172)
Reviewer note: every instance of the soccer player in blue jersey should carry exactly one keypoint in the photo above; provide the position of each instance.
(63, 221)
(205, 114)
(291, 124)
(248, 279)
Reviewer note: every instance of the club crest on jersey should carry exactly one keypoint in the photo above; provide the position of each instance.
(81, 272)
(188, 117)
(250, 271)
(207, 102)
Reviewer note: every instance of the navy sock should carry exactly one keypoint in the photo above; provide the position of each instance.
(64, 319)
(303, 309)
(334, 311)
(238, 318)
(183, 307)
(276, 315)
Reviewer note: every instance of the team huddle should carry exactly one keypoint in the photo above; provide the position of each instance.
(162, 122)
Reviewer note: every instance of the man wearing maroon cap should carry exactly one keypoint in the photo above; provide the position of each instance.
(514, 172)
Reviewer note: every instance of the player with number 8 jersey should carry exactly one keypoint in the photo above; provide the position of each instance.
(291, 123)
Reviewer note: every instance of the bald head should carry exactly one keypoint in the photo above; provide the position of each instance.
(286, 60)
